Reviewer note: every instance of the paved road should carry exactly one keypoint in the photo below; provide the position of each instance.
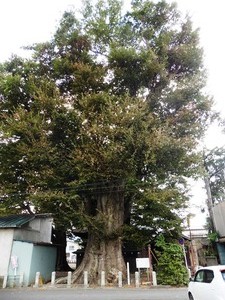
(94, 294)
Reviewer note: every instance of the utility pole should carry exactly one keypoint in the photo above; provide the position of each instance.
(150, 265)
(209, 200)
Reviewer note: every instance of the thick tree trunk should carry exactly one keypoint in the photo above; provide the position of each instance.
(104, 246)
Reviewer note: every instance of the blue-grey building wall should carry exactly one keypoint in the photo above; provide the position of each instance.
(221, 252)
(33, 258)
(23, 252)
(43, 261)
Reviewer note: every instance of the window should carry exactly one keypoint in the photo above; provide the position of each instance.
(223, 274)
(199, 276)
(205, 276)
(208, 276)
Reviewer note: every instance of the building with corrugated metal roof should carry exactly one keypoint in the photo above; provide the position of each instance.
(26, 247)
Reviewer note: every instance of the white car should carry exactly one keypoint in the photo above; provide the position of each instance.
(208, 284)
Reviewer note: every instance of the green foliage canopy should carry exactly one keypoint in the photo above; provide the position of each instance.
(113, 101)
(214, 166)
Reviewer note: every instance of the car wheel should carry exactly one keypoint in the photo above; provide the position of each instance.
(190, 296)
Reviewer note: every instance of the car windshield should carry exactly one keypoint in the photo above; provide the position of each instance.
(223, 274)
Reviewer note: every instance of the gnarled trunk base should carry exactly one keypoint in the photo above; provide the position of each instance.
(104, 247)
(101, 255)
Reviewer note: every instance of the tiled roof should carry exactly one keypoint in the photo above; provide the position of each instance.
(15, 221)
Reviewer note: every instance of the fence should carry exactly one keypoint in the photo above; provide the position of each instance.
(11, 281)
(17, 281)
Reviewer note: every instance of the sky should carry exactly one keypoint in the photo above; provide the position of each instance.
(24, 22)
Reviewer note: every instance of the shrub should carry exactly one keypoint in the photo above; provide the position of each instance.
(171, 268)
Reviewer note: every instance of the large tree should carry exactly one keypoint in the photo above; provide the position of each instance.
(100, 126)
(214, 178)
(214, 174)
